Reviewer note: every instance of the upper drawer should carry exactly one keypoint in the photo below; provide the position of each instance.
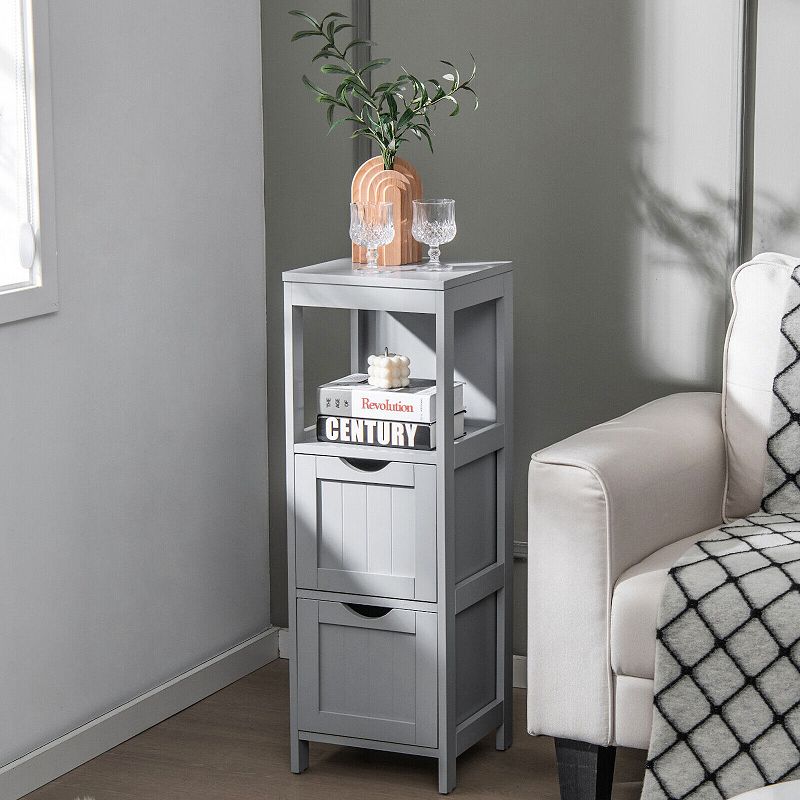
(366, 527)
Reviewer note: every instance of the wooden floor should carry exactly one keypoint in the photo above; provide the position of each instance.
(234, 745)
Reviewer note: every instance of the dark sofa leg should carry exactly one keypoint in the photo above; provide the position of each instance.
(585, 771)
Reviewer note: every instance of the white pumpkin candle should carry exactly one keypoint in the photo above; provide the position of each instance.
(388, 370)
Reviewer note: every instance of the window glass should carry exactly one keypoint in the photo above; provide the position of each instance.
(16, 179)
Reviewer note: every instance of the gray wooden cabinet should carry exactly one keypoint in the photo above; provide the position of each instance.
(400, 560)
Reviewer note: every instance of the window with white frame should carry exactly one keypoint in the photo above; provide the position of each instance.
(27, 246)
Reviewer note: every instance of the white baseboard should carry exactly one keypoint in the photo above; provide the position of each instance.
(520, 662)
(64, 754)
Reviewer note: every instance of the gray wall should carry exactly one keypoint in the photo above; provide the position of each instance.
(132, 449)
(776, 159)
(594, 149)
(307, 196)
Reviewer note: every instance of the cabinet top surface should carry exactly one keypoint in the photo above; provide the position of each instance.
(341, 272)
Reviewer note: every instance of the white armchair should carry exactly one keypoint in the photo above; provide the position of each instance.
(610, 510)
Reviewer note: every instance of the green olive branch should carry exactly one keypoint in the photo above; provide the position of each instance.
(383, 114)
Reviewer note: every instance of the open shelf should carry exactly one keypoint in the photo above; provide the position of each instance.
(479, 440)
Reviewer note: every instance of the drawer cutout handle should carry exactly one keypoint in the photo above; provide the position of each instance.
(366, 464)
(372, 612)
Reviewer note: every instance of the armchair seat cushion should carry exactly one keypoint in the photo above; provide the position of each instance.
(634, 609)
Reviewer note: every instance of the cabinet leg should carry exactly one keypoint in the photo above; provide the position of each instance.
(447, 773)
(503, 737)
(299, 755)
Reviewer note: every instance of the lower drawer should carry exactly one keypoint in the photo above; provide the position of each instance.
(367, 672)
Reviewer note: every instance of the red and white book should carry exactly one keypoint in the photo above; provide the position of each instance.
(352, 396)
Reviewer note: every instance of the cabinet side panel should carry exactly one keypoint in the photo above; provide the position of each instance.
(304, 559)
(475, 347)
(476, 516)
(425, 532)
(307, 662)
(476, 637)
(426, 691)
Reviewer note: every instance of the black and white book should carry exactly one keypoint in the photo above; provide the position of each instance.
(383, 432)
(352, 396)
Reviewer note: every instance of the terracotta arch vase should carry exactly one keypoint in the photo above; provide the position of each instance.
(399, 186)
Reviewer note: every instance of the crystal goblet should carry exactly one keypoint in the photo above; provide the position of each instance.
(371, 226)
(434, 224)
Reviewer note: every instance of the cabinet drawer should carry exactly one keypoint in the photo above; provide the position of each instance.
(365, 527)
(370, 677)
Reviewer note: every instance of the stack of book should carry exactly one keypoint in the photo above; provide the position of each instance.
(350, 411)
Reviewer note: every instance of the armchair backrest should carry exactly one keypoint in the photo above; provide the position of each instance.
(759, 290)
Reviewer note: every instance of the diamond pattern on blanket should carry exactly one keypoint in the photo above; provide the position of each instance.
(718, 677)
(729, 701)
(753, 648)
(713, 743)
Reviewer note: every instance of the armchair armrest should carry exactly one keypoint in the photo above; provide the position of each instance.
(599, 502)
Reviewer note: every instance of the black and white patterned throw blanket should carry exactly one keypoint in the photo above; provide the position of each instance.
(726, 715)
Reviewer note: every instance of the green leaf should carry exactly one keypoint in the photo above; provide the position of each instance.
(329, 115)
(356, 42)
(303, 34)
(428, 137)
(342, 88)
(311, 86)
(456, 108)
(339, 122)
(367, 132)
(375, 126)
(304, 15)
(390, 101)
(390, 86)
(364, 96)
(405, 118)
(474, 68)
(457, 79)
(331, 26)
(341, 27)
(378, 62)
(473, 92)
(440, 93)
(421, 98)
(321, 54)
(335, 69)
(332, 14)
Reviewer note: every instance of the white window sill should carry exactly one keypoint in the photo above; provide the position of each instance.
(28, 301)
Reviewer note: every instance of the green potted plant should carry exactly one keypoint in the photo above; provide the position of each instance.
(389, 114)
